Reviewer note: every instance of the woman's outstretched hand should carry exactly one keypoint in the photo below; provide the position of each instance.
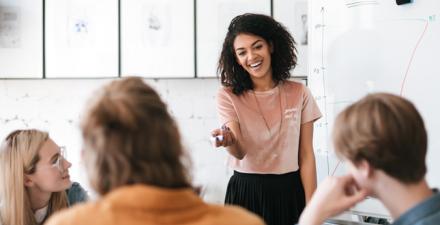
(223, 137)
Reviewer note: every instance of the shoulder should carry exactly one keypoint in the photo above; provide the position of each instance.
(226, 94)
(76, 194)
(432, 209)
(225, 91)
(235, 215)
(75, 215)
(291, 85)
(296, 90)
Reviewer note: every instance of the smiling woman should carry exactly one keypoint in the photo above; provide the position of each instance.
(267, 121)
(35, 179)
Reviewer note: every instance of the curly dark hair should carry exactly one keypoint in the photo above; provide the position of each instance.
(283, 56)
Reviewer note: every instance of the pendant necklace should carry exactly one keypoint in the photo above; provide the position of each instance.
(261, 112)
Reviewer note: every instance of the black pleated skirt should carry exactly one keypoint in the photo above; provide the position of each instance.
(278, 199)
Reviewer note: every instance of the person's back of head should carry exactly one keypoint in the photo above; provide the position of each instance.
(388, 132)
(383, 139)
(130, 138)
(19, 155)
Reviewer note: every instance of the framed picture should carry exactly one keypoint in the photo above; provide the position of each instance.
(81, 38)
(293, 14)
(21, 39)
(157, 38)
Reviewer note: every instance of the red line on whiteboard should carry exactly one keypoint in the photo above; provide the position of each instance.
(412, 57)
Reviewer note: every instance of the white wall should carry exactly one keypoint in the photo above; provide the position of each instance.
(56, 106)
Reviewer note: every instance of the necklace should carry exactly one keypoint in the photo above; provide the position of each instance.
(262, 115)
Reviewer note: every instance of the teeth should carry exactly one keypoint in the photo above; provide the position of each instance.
(256, 64)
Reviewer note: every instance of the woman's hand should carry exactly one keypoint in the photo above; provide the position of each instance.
(223, 137)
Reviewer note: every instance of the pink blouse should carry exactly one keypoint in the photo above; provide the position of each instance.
(270, 124)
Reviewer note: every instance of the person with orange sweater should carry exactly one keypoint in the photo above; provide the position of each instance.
(136, 163)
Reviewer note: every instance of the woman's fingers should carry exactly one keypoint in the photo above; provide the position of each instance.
(216, 132)
(222, 137)
(215, 137)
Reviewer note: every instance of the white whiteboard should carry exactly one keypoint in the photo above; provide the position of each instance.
(364, 46)
(293, 14)
(213, 18)
(21, 39)
(157, 38)
(81, 38)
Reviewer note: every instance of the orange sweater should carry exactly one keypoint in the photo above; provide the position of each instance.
(148, 205)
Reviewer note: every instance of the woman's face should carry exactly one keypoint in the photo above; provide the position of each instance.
(51, 171)
(253, 53)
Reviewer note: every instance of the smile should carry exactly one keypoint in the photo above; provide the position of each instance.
(254, 65)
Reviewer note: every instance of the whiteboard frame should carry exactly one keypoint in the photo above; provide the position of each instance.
(373, 63)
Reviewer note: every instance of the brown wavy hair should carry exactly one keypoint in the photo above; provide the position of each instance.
(387, 131)
(130, 138)
(283, 57)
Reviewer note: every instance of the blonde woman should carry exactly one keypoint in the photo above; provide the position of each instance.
(134, 159)
(34, 179)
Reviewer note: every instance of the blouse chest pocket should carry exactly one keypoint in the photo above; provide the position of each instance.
(291, 116)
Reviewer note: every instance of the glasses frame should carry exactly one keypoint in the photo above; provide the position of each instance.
(60, 159)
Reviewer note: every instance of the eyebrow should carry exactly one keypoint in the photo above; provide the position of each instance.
(255, 42)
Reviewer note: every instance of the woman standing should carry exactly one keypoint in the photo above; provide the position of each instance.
(34, 178)
(267, 121)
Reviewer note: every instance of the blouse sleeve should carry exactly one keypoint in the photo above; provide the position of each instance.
(310, 110)
(226, 109)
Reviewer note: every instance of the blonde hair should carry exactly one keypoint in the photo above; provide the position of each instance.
(19, 156)
(130, 138)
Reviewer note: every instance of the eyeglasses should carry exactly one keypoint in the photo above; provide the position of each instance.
(60, 158)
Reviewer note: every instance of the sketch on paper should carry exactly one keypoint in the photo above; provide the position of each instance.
(10, 36)
(156, 24)
(79, 27)
(301, 20)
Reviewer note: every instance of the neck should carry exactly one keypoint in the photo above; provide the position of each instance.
(38, 199)
(403, 196)
(264, 83)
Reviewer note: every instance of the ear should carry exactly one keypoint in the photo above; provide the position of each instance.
(28, 182)
(365, 169)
